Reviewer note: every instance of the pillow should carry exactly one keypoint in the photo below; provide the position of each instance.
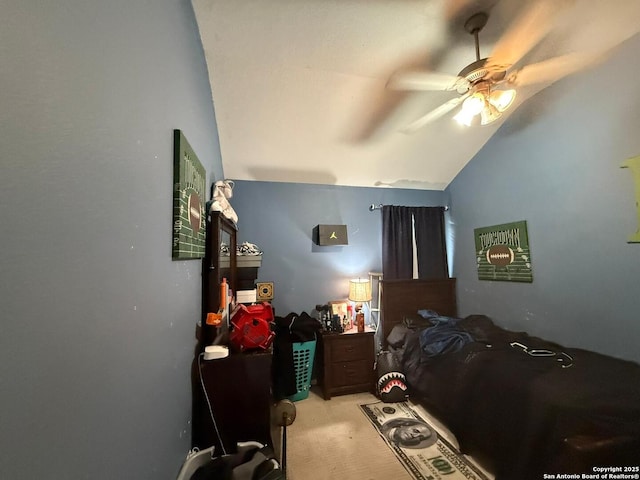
(481, 327)
(417, 322)
(396, 336)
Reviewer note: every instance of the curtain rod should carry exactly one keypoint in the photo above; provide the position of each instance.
(373, 207)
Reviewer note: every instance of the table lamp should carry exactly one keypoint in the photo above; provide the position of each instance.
(359, 291)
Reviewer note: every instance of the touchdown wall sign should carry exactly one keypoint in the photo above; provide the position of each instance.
(189, 216)
(502, 252)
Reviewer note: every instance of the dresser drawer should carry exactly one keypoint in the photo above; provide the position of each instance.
(349, 347)
(346, 364)
(356, 372)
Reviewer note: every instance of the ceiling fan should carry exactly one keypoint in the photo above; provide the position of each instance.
(486, 87)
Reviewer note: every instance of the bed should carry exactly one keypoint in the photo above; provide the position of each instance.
(523, 406)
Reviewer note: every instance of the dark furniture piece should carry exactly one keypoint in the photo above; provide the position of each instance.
(521, 405)
(247, 277)
(220, 261)
(235, 390)
(239, 391)
(346, 363)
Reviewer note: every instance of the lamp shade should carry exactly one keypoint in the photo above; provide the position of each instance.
(502, 99)
(359, 290)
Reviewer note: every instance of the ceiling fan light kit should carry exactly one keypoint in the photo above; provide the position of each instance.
(472, 106)
(486, 103)
(502, 99)
(486, 86)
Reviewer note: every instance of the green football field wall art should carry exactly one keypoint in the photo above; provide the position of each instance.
(633, 164)
(502, 253)
(189, 217)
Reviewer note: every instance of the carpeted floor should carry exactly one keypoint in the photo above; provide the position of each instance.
(333, 439)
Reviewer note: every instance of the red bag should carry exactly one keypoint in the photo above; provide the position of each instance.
(252, 327)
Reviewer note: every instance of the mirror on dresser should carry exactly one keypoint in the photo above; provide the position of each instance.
(219, 262)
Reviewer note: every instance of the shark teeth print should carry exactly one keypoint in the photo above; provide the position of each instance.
(390, 380)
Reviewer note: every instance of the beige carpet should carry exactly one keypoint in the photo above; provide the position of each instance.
(333, 439)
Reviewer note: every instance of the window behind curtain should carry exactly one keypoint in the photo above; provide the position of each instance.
(404, 227)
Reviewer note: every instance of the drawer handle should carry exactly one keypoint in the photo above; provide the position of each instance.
(349, 348)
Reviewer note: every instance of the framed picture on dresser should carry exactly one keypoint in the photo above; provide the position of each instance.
(341, 308)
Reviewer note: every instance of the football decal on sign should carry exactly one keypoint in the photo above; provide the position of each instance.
(500, 255)
(195, 214)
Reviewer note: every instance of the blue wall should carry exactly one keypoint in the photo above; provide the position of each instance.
(97, 323)
(280, 217)
(562, 175)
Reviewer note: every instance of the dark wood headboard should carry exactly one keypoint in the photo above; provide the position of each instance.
(402, 298)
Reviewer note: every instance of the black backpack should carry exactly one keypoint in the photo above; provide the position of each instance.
(391, 383)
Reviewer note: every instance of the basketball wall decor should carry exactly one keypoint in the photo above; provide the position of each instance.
(325, 235)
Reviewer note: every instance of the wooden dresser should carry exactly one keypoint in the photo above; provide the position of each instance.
(235, 390)
(346, 363)
(238, 391)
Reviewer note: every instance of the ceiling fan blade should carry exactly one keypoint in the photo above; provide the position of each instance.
(554, 69)
(419, 81)
(434, 114)
(526, 31)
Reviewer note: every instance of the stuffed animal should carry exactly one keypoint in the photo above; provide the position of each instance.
(222, 191)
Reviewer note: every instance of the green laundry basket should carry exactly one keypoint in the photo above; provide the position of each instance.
(303, 355)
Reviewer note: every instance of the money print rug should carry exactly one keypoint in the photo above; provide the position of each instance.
(425, 453)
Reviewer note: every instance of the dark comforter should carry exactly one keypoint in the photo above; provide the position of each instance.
(517, 408)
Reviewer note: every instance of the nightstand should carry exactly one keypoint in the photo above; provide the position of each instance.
(346, 363)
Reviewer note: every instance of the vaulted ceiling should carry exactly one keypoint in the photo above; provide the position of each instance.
(300, 91)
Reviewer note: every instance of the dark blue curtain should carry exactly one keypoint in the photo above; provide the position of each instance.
(430, 239)
(397, 250)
